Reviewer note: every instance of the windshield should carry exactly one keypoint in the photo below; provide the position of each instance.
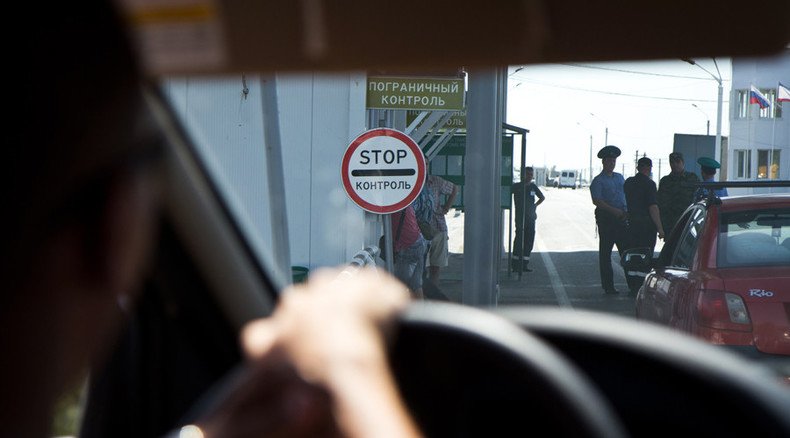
(515, 221)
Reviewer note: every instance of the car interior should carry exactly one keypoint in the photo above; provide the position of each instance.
(463, 371)
(750, 238)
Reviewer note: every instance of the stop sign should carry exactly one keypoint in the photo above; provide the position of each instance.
(383, 170)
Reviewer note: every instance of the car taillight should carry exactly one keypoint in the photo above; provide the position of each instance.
(722, 310)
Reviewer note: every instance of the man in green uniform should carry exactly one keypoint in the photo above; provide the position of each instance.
(708, 168)
(675, 191)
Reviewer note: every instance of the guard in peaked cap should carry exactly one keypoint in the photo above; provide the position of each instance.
(611, 213)
(609, 152)
(708, 171)
(708, 162)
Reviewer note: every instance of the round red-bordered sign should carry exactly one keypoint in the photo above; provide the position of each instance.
(383, 170)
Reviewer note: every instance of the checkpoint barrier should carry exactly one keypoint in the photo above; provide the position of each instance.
(365, 258)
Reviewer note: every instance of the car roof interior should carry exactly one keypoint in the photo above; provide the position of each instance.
(442, 35)
(181, 343)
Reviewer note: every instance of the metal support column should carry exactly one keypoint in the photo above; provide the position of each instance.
(275, 178)
(481, 241)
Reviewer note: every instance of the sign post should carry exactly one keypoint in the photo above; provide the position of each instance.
(383, 172)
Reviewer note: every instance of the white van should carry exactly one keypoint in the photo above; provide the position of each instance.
(568, 179)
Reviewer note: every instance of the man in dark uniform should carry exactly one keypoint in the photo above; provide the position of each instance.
(524, 193)
(675, 191)
(607, 194)
(644, 220)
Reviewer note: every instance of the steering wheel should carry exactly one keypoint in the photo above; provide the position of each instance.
(660, 381)
(467, 372)
(463, 371)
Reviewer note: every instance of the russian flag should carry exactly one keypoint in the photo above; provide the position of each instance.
(759, 98)
(782, 94)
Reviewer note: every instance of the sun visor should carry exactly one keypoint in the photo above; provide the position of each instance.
(221, 36)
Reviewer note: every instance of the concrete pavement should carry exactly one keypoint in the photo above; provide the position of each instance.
(564, 260)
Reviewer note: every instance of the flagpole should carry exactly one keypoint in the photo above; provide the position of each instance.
(773, 126)
(749, 132)
(755, 96)
(773, 141)
(779, 98)
(782, 96)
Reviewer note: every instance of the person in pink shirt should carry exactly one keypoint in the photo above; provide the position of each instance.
(410, 249)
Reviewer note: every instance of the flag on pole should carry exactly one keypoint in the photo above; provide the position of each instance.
(759, 98)
(782, 94)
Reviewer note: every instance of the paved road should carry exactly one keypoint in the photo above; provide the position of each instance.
(564, 261)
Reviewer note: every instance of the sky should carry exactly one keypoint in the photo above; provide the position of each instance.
(643, 104)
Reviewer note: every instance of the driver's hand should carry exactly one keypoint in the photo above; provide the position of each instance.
(318, 365)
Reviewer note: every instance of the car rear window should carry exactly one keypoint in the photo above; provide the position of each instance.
(754, 238)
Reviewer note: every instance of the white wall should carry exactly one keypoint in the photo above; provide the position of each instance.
(319, 116)
(755, 133)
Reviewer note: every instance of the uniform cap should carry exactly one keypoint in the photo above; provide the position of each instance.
(708, 162)
(644, 162)
(609, 152)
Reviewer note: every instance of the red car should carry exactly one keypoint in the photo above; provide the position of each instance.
(724, 275)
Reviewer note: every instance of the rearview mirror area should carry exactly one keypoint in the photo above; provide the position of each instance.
(774, 221)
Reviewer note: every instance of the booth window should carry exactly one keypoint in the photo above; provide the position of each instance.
(768, 164)
(743, 163)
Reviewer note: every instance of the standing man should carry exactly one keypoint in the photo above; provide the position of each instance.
(708, 168)
(524, 193)
(441, 196)
(611, 214)
(644, 220)
(675, 191)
